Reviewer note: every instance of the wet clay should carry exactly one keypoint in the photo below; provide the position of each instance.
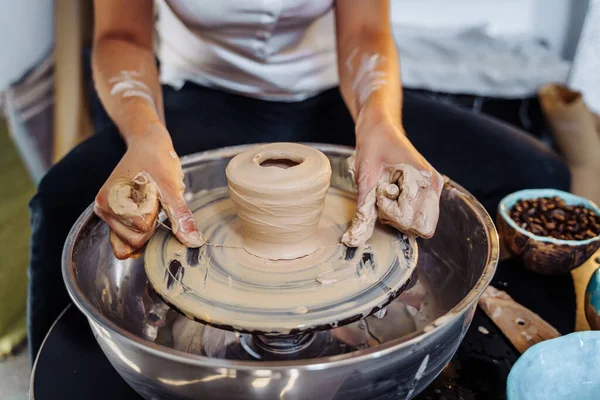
(223, 284)
(136, 198)
(279, 192)
(402, 199)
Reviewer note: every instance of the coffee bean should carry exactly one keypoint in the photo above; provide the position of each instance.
(553, 217)
(537, 229)
(559, 214)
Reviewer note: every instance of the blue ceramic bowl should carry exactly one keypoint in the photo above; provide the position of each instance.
(544, 255)
(592, 300)
(565, 368)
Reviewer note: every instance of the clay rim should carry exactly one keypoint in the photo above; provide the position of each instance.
(262, 153)
(469, 301)
(531, 194)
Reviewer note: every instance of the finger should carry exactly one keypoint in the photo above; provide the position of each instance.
(427, 217)
(416, 209)
(134, 203)
(351, 161)
(398, 199)
(388, 190)
(427, 220)
(182, 220)
(365, 217)
(363, 223)
(396, 213)
(130, 237)
(121, 250)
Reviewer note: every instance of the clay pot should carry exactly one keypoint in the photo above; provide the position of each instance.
(278, 191)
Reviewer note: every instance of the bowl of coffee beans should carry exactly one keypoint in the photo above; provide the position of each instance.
(551, 231)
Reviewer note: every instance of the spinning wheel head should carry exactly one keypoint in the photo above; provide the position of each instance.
(221, 284)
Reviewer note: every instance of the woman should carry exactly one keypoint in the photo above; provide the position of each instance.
(252, 71)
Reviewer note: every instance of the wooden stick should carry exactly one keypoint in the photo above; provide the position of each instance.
(521, 326)
(72, 123)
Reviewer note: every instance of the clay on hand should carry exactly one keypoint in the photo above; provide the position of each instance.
(406, 202)
(131, 200)
(148, 177)
(137, 198)
(404, 198)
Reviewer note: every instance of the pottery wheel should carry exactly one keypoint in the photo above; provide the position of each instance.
(223, 285)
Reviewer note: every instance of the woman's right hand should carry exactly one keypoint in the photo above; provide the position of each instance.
(148, 176)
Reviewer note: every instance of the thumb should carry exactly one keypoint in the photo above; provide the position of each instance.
(182, 220)
(363, 222)
(365, 216)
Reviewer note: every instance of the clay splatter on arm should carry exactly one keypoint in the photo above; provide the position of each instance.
(124, 67)
(367, 59)
(394, 182)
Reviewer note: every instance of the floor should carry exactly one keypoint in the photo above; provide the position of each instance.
(14, 377)
(16, 190)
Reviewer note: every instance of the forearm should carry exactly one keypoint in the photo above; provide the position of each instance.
(126, 79)
(369, 73)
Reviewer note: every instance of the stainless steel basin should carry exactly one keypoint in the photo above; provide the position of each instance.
(165, 356)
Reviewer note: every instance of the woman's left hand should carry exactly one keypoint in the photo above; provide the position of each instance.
(395, 183)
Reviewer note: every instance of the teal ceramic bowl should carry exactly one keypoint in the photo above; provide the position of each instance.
(565, 368)
(544, 255)
(592, 300)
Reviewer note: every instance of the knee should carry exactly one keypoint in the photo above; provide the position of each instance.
(58, 194)
(75, 180)
(53, 210)
(69, 187)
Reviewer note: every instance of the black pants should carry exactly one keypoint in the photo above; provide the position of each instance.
(487, 157)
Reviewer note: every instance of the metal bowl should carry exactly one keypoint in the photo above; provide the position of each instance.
(388, 355)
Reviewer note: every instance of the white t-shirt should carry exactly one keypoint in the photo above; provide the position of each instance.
(280, 50)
